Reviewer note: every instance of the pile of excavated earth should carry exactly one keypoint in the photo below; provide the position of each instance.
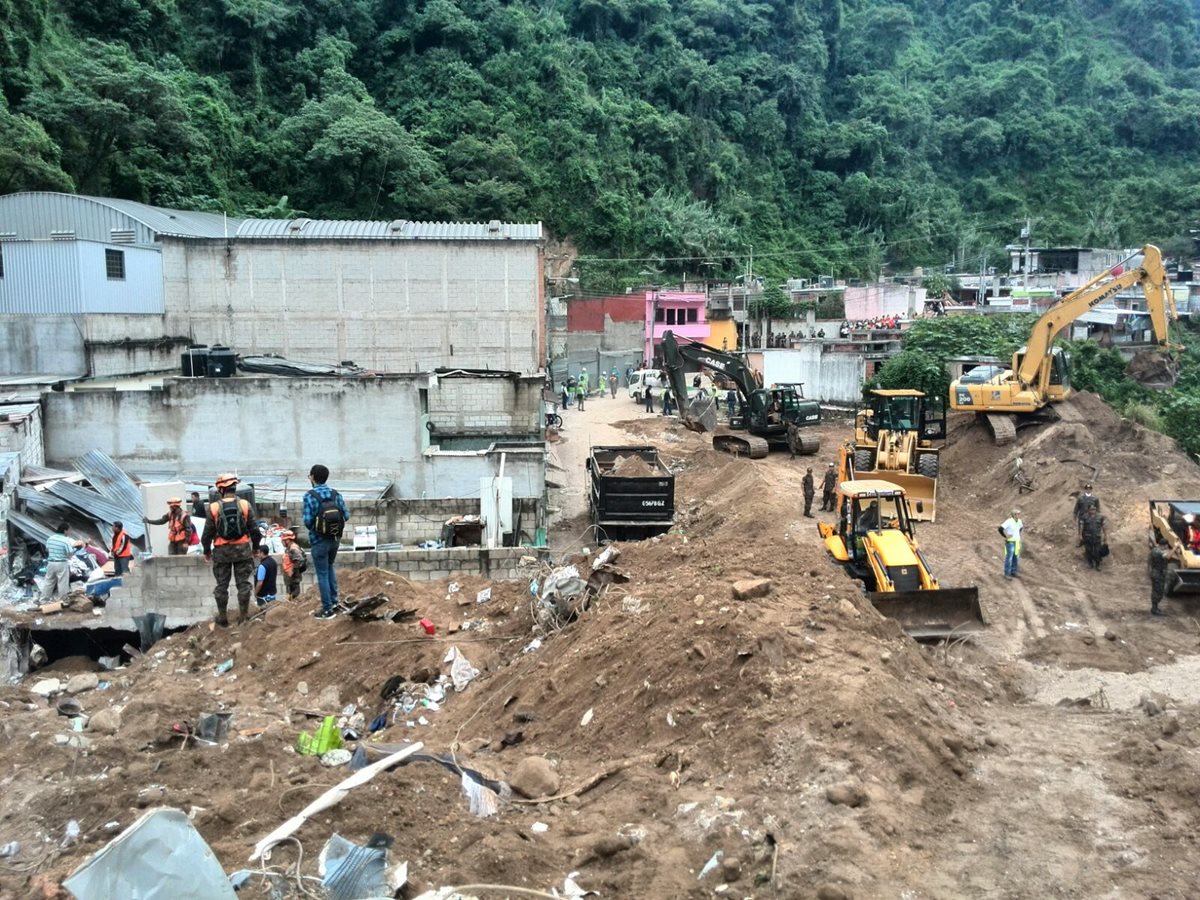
(721, 713)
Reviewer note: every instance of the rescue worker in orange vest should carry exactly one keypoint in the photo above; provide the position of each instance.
(179, 527)
(230, 540)
(122, 549)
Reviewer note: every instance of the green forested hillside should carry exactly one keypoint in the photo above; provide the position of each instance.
(832, 135)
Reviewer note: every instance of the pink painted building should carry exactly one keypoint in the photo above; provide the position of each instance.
(682, 312)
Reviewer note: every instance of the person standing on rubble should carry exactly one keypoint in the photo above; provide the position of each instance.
(230, 541)
(325, 516)
(1160, 555)
(1085, 501)
(1093, 536)
(59, 548)
(197, 506)
(828, 483)
(294, 563)
(1012, 530)
(122, 549)
(809, 492)
(179, 527)
(649, 399)
(613, 380)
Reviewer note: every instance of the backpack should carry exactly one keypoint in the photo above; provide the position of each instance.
(329, 521)
(230, 519)
(300, 566)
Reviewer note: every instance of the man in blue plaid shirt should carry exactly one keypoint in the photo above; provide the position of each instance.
(325, 516)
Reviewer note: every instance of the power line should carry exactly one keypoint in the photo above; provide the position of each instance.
(738, 254)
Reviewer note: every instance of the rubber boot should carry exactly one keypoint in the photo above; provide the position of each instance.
(222, 619)
(243, 612)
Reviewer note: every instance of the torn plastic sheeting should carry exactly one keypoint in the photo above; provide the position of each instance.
(462, 673)
(331, 797)
(564, 582)
(353, 872)
(110, 481)
(159, 857)
(446, 761)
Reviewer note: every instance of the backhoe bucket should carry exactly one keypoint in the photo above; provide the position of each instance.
(701, 413)
(920, 492)
(942, 614)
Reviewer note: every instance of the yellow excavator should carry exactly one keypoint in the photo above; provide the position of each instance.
(893, 440)
(875, 540)
(1040, 372)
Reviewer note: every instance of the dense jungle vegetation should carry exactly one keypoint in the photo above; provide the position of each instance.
(836, 136)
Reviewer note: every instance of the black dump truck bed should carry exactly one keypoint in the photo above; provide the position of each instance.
(631, 494)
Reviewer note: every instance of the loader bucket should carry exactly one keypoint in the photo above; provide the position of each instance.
(944, 613)
(920, 492)
(701, 413)
(1183, 582)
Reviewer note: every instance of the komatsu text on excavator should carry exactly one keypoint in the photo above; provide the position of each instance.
(1040, 372)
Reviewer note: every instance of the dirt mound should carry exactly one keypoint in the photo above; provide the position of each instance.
(1045, 470)
(633, 467)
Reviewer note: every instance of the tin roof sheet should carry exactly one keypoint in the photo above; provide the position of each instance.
(110, 481)
(398, 229)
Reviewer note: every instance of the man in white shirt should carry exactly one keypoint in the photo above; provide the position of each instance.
(59, 548)
(1012, 530)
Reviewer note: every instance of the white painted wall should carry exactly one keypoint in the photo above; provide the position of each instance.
(833, 377)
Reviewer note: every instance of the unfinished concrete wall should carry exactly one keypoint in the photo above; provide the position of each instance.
(369, 428)
(180, 587)
(100, 345)
(832, 377)
(21, 433)
(388, 305)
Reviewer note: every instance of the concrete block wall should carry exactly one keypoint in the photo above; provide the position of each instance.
(485, 404)
(408, 522)
(180, 587)
(360, 428)
(387, 305)
(22, 434)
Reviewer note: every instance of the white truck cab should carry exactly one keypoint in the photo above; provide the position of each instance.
(640, 380)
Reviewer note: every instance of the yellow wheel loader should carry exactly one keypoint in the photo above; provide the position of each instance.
(893, 440)
(1178, 523)
(875, 540)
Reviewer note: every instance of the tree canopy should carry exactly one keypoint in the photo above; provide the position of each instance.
(832, 136)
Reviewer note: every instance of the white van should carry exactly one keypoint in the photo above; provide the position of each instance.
(640, 380)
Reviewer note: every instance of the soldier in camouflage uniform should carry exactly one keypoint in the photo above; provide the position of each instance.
(1160, 556)
(1091, 531)
(231, 538)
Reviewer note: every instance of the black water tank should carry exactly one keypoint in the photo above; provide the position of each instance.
(195, 361)
(221, 362)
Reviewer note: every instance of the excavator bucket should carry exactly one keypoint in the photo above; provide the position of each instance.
(701, 413)
(941, 614)
(920, 492)
(1154, 369)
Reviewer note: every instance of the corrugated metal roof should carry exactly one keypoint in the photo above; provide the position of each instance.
(399, 229)
(110, 481)
(94, 506)
(31, 527)
(34, 215)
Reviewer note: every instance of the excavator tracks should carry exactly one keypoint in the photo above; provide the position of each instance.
(1002, 426)
(742, 445)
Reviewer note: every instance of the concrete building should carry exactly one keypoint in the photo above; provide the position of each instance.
(96, 286)
(436, 438)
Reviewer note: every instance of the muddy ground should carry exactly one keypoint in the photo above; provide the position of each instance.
(821, 751)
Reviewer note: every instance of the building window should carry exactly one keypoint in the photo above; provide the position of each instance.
(660, 315)
(114, 265)
(670, 317)
(1, 260)
(691, 316)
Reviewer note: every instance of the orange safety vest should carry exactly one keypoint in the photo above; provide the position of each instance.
(178, 527)
(215, 511)
(121, 547)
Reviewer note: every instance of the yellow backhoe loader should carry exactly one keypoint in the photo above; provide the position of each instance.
(1178, 523)
(893, 440)
(875, 540)
(1040, 372)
